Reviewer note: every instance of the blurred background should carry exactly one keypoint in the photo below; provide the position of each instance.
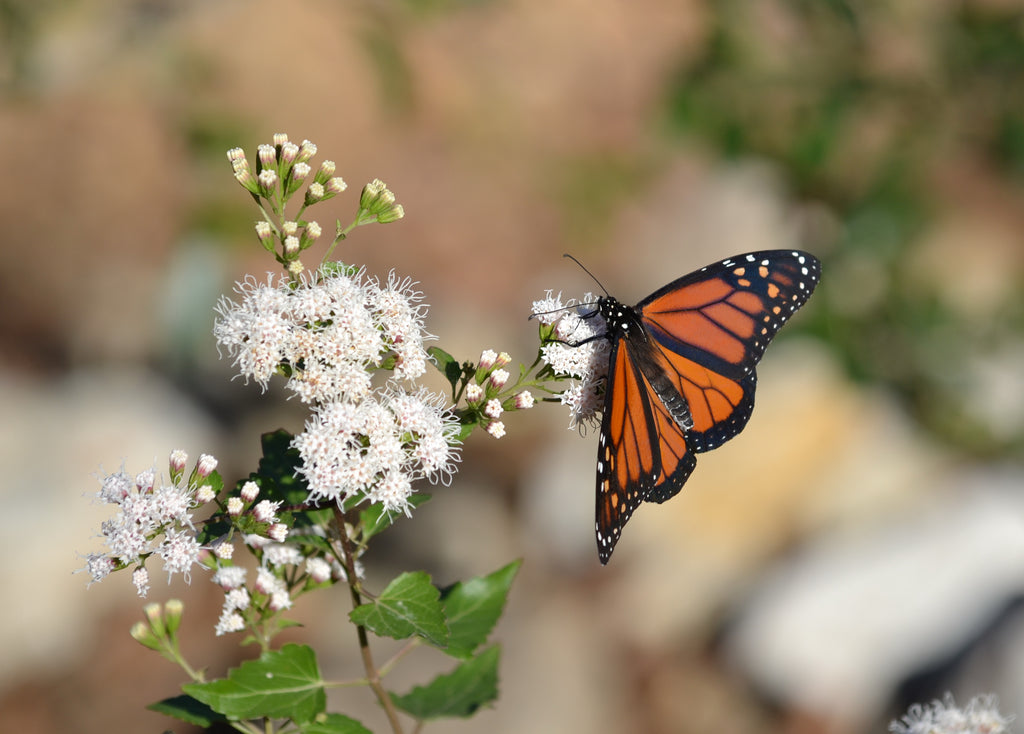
(859, 547)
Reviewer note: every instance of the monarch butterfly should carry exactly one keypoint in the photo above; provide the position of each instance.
(681, 374)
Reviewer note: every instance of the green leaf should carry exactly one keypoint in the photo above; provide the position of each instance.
(459, 693)
(375, 518)
(334, 724)
(189, 710)
(447, 365)
(276, 471)
(408, 606)
(283, 683)
(473, 608)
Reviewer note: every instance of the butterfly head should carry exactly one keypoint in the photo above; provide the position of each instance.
(620, 319)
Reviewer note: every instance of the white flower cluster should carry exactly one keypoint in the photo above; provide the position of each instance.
(270, 591)
(362, 441)
(326, 334)
(980, 716)
(578, 351)
(378, 447)
(150, 520)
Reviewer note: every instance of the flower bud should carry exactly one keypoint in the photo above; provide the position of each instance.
(142, 634)
(173, 610)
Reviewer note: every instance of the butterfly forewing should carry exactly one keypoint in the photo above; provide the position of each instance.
(681, 374)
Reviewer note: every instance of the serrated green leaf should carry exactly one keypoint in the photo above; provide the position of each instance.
(408, 606)
(334, 724)
(446, 364)
(283, 683)
(376, 519)
(473, 607)
(459, 693)
(189, 710)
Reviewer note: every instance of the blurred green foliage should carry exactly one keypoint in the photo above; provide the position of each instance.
(866, 107)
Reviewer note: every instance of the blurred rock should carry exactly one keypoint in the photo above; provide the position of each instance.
(838, 626)
(59, 437)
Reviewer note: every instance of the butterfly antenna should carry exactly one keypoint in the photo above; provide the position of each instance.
(584, 269)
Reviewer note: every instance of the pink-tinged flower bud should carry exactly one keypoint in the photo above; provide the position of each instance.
(474, 393)
(280, 139)
(250, 490)
(326, 171)
(314, 193)
(290, 228)
(206, 465)
(289, 152)
(306, 151)
(487, 359)
(235, 155)
(299, 172)
(499, 378)
(267, 155)
(291, 245)
(278, 532)
(336, 185)
(266, 234)
(496, 429)
(268, 181)
(524, 400)
(224, 551)
(235, 506)
(178, 460)
(313, 232)
(502, 359)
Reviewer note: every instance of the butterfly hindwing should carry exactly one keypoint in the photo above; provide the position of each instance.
(681, 374)
(626, 460)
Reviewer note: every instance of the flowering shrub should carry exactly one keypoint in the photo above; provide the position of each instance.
(351, 348)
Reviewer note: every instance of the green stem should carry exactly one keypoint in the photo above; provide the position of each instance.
(372, 674)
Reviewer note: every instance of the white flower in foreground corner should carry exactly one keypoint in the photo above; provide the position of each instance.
(980, 716)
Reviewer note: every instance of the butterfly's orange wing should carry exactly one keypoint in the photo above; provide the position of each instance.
(681, 376)
(641, 447)
(712, 328)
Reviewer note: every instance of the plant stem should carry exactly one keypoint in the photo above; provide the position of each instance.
(372, 674)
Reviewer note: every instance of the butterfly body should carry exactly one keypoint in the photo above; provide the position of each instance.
(681, 375)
